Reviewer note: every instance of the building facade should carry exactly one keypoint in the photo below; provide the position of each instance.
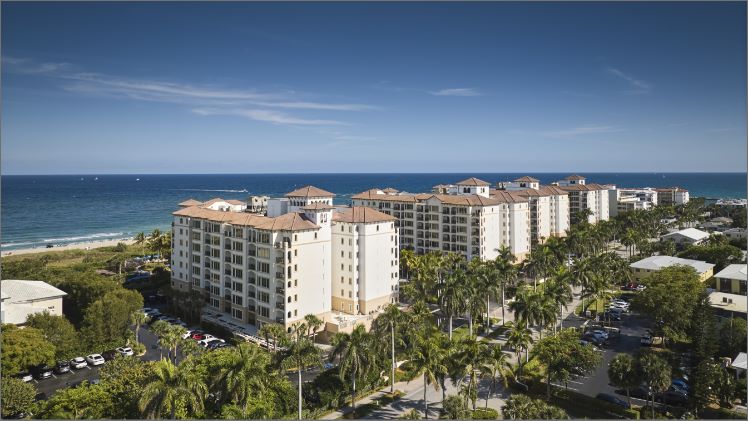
(651, 264)
(732, 279)
(467, 218)
(672, 196)
(278, 268)
(583, 196)
(549, 207)
(22, 298)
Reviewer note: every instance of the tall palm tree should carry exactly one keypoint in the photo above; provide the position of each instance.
(472, 356)
(313, 323)
(474, 305)
(545, 312)
(140, 239)
(170, 338)
(519, 338)
(389, 320)
(243, 374)
(355, 353)
(301, 353)
(428, 359)
(496, 366)
(488, 283)
(169, 388)
(273, 331)
(524, 306)
(138, 318)
(559, 290)
(453, 292)
(507, 274)
(583, 274)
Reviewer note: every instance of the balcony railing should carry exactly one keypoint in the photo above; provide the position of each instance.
(280, 306)
(280, 290)
(280, 275)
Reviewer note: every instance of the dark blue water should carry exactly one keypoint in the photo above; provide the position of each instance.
(62, 209)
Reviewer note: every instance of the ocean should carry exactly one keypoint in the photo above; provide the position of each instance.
(63, 209)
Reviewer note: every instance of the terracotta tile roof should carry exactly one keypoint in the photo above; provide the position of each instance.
(235, 202)
(509, 197)
(190, 202)
(472, 181)
(584, 187)
(318, 206)
(287, 222)
(310, 191)
(528, 179)
(211, 201)
(554, 190)
(361, 214)
(390, 190)
(574, 177)
(374, 194)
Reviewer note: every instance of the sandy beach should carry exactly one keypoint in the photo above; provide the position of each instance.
(72, 246)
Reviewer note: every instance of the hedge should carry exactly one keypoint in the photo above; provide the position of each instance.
(485, 414)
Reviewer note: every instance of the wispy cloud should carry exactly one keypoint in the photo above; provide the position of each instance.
(269, 116)
(456, 92)
(638, 86)
(570, 133)
(254, 104)
(721, 130)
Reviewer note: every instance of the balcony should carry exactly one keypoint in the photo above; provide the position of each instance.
(280, 275)
(280, 306)
(280, 320)
(280, 290)
(279, 259)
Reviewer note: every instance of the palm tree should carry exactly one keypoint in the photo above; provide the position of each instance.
(170, 336)
(507, 274)
(138, 318)
(428, 359)
(544, 308)
(453, 295)
(170, 388)
(355, 353)
(519, 338)
(624, 373)
(559, 290)
(472, 356)
(656, 373)
(140, 239)
(274, 331)
(391, 318)
(313, 323)
(473, 299)
(583, 274)
(497, 365)
(488, 283)
(301, 353)
(243, 374)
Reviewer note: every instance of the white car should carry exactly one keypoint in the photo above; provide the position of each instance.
(95, 359)
(206, 342)
(601, 333)
(125, 351)
(187, 334)
(78, 363)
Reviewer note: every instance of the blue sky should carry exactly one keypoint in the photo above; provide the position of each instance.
(387, 87)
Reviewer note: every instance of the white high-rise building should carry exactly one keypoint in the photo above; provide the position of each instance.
(584, 196)
(549, 207)
(628, 199)
(277, 269)
(467, 218)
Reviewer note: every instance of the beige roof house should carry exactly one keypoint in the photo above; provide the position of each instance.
(21, 298)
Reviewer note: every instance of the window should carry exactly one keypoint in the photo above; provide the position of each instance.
(263, 267)
(264, 311)
(263, 282)
(289, 314)
(295, 298)
(295, 253)
(289, 299)
(263, 252)
(263, 296)
(237, 313)
(195, 270)
(315, 235)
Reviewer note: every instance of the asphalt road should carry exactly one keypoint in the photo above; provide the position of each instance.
(632, 327)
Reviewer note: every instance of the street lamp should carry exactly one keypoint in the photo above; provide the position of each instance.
(653, 402)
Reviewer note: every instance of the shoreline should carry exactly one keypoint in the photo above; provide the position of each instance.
(84, 245)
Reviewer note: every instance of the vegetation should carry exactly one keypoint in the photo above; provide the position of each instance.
(523, 407)
(17, 397)
(23, 348)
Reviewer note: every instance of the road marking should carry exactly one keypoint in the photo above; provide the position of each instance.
(564, 387)
(572, 381)
(54, 376)
(88, 367)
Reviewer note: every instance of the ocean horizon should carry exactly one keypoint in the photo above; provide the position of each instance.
(63, 209)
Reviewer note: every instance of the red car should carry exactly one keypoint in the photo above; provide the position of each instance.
(198, 336)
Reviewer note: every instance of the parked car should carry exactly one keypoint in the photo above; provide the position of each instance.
(207, 342)
(612, 315)
(78, 363)
(601, 332)
(25, 376)
(612, 399)
(216, 344)
(641, 392)
(125, 351)
(41, 372)
(62, 367)
(672, 397)
(109, 355)
(95, 359)
(681, 383)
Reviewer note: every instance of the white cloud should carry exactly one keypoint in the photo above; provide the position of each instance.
(269, 116)
(24, 65)
(456, 92)
(319, 106)
(638, 86)
(569, 133)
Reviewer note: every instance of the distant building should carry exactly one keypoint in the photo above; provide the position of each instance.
(257, 204)
(652, 264)
(584, 196)
(628, 199)
(735, 233)
(20, 298)
(732, 202)
(672, 196)
(728, 305)
(732, 279)
(686, 237)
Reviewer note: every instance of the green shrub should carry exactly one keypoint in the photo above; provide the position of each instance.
(485, 414)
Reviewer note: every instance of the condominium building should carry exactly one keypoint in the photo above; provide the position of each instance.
(467, 217)
(627, 199)
(305, 257)
(584, 196)
(549, 207)
(646, 266)
(672, 196)
(733, 279)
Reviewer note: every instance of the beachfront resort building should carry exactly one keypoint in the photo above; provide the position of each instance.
(583, 196)
(651, 264)
(21, 298)
(672, 196)
(304, 257)
(549, 207)
(468, 218)
(628, 199)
